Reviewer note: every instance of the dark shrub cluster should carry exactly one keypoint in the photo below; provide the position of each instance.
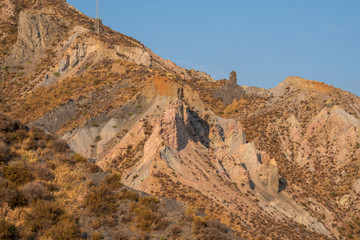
(8, 231)
(5, 153)
(17, 175)
(209, 229)
(60, 146)
(48, 219)
(17, 200)
(43, 173)
(9, 125)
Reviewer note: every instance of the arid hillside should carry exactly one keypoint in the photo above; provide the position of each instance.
(281, 163)
(49, 192)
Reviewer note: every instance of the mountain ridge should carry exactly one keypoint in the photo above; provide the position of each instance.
(258, 159)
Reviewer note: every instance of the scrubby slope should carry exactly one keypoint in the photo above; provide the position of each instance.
(260, 160)
(47, 191)
(312, 130)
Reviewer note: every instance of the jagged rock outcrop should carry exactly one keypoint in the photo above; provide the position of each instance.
(229, 91)
(36, 34)
(233, 78)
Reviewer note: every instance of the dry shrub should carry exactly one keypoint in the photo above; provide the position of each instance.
(6, 195)
(198, 224)
(43, 216)
(31, 144)
(162, 224)
(150, 202)
(17, 175)
(9, 125)
(43, 173)
(145, 212)
(37, 134)
(33, 191)
(209, 229)
(21, 134)
(212, 223)
(120, 236)
(3, 182)
(78, 158)
(66, 160)
(129, 195)
(41, 144)
(101, 200)
(60, 146)
(175, 231)
(7, 230)
(17, 136)
(46, 219)
(18, 200)
(113, 180)
(5, 153)
(65, 229)
(96, 236)
(145, 218)
(93, 168)
(126, 218)
(211, 234)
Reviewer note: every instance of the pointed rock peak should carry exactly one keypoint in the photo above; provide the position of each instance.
(233, 77)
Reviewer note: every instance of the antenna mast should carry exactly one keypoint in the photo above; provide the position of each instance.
(97, 19)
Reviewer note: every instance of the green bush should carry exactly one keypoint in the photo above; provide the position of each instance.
(97, 139)
(17, 175)
(7, 230)
(57, 74)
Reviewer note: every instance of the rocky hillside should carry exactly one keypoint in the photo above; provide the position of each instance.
(281, 163)
(49, 192)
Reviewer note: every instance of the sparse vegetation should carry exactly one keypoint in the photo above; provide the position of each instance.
(97, 139)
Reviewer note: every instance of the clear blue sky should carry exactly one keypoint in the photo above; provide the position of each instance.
(264, 41)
